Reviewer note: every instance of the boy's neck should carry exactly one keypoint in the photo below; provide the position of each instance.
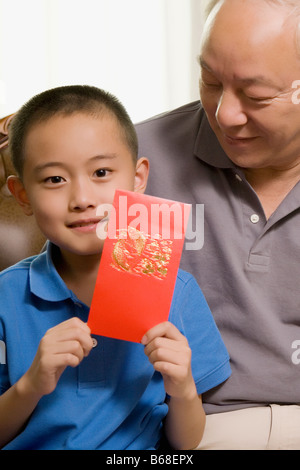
(79, 273)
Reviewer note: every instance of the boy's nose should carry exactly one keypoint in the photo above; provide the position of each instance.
(82, 197)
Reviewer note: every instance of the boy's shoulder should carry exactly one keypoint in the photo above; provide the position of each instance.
(17, 270)
(187, 290)
(188, 297)
(184, 278)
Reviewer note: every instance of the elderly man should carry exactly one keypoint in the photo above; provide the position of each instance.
(238, 154)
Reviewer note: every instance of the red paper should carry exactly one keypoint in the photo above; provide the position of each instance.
(139, 265)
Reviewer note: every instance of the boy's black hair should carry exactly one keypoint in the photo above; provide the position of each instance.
(66, 100)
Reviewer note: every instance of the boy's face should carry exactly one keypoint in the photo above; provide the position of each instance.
(72, 165)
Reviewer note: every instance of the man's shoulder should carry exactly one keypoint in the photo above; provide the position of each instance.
(174, 132)
(193, 110)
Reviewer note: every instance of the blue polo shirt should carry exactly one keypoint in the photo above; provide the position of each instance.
(114, 399)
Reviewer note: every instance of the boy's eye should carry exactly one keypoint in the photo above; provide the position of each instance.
(54, 179)
(101, 173)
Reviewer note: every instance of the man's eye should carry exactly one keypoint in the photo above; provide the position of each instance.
(258, 99)
(211, 86)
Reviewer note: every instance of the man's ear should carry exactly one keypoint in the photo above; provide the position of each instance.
(141, 175)
(17, 189)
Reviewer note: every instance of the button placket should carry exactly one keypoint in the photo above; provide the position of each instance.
(258, 241)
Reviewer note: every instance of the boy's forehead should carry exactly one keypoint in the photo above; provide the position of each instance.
(78, 122)
(76, 116)
(83, 131)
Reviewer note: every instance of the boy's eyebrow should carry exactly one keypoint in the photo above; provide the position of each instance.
(108, 156)
(46, 165)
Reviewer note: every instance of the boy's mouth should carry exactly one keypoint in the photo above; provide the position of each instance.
(87, 225)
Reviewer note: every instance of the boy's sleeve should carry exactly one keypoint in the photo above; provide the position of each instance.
(4, 381)
(192, 316)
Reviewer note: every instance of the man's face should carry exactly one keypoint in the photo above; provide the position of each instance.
(249, 61)
(73, 164)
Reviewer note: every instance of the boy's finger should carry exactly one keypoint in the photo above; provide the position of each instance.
(168, 356)
(163, 343)
(165, 329)
(70, 330)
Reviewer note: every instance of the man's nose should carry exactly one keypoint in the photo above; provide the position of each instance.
(82, 196)
(230, 111)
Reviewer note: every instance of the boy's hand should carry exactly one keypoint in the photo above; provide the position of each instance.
(170, 354)
(63, 345)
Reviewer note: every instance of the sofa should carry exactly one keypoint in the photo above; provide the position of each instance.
(19, 235)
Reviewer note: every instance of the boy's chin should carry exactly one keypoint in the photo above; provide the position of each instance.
(94, 251)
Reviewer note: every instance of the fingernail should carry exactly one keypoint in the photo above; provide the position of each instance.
(144, 339)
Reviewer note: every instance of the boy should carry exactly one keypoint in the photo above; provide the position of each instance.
(60, 388)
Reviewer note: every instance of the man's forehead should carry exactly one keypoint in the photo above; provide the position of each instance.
(249, 10)
(248, 23)
(255, 44)
(292, 5)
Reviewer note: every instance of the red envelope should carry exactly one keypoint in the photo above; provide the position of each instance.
(139, 265)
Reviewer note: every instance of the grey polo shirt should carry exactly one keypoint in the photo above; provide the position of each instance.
(247, 267)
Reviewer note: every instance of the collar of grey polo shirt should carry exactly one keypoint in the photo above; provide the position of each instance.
(45, 282)
(208, 149)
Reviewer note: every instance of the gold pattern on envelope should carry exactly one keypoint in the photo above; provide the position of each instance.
(137, 253)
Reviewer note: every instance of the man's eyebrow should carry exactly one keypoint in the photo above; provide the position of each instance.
(203, 64)
(246, 80)
(258, 79)
(58, 164)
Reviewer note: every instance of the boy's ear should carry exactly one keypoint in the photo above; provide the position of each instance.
(17, 189)
(141, 175)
